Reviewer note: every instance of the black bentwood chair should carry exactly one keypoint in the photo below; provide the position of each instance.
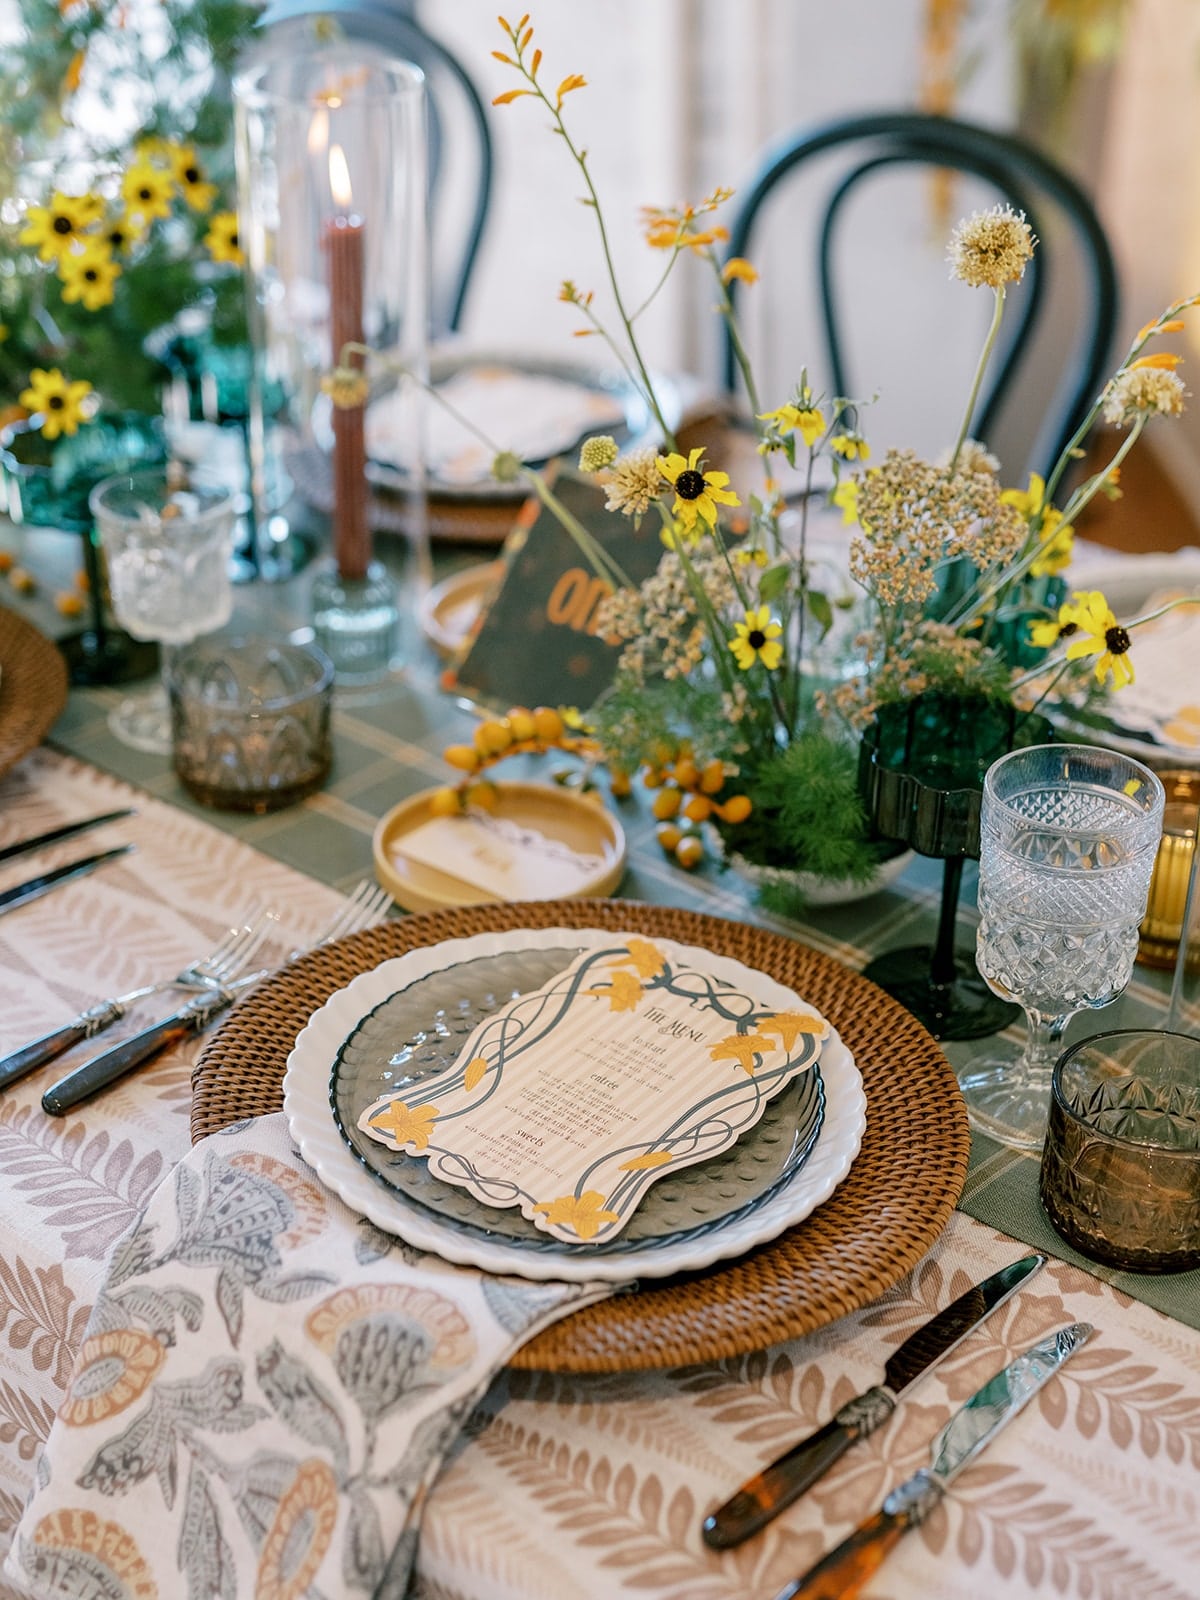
(1053, 202)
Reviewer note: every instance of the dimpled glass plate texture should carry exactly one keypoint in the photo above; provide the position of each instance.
(421, 1029)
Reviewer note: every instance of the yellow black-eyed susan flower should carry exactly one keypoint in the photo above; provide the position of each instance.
(1100, 635)
(222, 239)
(757, 639)
(58, 401)
(146, 191)
(58, 227)
(697, 493)
(88, 277)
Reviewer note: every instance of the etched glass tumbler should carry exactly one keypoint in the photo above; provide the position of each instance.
(1068, 835)
(168, 548)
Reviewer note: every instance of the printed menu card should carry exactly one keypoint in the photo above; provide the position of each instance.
(571, 1100)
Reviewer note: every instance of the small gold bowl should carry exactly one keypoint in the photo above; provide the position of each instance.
(1162, 926)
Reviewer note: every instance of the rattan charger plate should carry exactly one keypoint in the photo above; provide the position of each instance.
(33, 687)
(878, 1224)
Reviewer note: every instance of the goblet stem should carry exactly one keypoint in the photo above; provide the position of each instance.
(942, 968)
(1043, 1046)
(1010, 1100)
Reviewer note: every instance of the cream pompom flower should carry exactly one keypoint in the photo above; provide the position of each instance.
(990, 248)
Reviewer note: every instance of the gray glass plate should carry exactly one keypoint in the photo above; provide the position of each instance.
(420, 1030)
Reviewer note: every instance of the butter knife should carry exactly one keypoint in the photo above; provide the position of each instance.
(842, 1573)
(772, 1490)
(101, 1070)
(67, 831)
(34, 888)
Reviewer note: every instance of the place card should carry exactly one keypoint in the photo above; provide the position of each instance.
(571, 1100)
(500, 856)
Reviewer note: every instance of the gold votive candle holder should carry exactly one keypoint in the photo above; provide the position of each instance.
(1162, 927)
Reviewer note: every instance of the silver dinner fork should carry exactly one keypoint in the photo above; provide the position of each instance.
(366, 908)
(224, 962)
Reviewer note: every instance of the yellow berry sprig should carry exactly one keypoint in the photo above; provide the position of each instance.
(521, 732)
(687, 797)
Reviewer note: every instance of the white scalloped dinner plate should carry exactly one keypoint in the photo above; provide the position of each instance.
(310, 1118)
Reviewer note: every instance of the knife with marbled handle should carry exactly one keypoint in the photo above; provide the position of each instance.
(772, 1490)
(841, 1574)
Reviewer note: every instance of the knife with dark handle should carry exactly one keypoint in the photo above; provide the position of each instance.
(763, 1497)
(33, 888)
(67, 831)
(842, 1573)
(109, 1065)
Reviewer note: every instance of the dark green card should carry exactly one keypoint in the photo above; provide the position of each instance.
(538, 644)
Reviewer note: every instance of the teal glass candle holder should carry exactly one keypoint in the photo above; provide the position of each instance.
(46, 485)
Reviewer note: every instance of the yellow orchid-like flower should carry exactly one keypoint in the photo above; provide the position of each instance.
(406, 1124)
(678, 228)
(1057, 547)
(757, 639)
(584, 1213)
(222, 239)
(59, 402)
(738, 267)
(1027, 501)
(806, 420)
(850, 446)
(88, 277)
(146, 191)
(697, 493)
(1100, 634)
(845, 498)
(189, 175)
(58, 227)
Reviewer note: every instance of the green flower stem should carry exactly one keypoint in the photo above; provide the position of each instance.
(984, 357)
(580, 159)
(1060, 466)
(658, 287)
(1091, 488)
(725, 307)
(598, 558)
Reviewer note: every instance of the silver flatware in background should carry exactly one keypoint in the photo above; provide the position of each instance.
(230, 957)
(34, 888)
(842, 1573)
(366, 908)
(763, 1497)
(67, 831)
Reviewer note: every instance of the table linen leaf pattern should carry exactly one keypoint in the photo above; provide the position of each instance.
(588, 1488)
(212, 1442)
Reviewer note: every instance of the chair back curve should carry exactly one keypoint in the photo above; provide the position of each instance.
(1021, 176)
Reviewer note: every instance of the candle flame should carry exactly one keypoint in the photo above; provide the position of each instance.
(318, 132)
(339, 177)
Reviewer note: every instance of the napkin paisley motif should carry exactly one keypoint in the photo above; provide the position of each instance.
(264, 1396)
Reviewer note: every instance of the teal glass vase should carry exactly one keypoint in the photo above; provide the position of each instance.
(46, 485)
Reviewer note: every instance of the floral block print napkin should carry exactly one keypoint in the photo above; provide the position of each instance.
(265, 1393)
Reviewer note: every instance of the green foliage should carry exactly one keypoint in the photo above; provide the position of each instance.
(144, 69)
(808, 814)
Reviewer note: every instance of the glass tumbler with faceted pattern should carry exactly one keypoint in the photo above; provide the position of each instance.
(1068, 835)
(1121, 1168)
(250, 722)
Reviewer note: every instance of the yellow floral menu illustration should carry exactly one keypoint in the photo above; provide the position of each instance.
(571, 1100)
